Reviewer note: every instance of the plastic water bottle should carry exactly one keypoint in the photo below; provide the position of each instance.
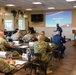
(10, 58)
(28, 53)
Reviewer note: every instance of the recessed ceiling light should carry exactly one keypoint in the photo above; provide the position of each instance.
(70, 0)
(51, 8)
(28, 9)
(36, 3)
(10, 5)
(74, 6)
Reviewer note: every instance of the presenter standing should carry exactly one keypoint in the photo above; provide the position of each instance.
(59, 29)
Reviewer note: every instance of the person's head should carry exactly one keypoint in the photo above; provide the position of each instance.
(2, 34)
(43, 32)
(5, 29)
(41, 37)
(57, 25)
(18, 31)
(58, 32)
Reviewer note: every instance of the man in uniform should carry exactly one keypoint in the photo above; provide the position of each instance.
(59, 29)
(46, 38)
(5, 67)
(16, 36)
(59, 40)
(3, 42)
(28, 37)
(43, 47)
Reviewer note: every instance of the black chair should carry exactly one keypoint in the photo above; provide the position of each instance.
(56, 53)
(38, 65)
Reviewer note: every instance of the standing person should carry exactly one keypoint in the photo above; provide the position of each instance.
(43, 47)
(59, 29)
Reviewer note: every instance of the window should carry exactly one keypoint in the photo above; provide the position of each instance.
(9, 22)
(21, 23)
(9, 25)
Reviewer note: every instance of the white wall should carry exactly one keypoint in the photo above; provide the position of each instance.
(49, 31)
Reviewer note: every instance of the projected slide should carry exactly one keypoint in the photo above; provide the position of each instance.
(64, 18)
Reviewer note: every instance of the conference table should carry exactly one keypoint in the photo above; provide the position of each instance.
(21, 63)
(21, 47)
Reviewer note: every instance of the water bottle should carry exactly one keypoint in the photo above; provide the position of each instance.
(28, 53)
(10, 58)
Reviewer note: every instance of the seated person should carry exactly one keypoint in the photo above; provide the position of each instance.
(15, 31)
(43, 47)
(59, 40)
(16, 36)
(46, 38)
(28, 37)
(5, 32)
(3, 42)
(5, 67)
(8, 38)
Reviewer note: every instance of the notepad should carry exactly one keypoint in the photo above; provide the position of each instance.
(2, 54)
(20, 62)
(23, 46)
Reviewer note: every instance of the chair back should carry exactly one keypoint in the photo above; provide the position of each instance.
(38, 55)
(39, 63)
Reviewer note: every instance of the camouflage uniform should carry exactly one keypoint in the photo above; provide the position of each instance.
(16, 36)
(43, 47)
(28, 37)
(47, 39)
(5, 67)
(3, 44)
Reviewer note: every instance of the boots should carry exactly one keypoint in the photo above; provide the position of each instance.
(48, 70)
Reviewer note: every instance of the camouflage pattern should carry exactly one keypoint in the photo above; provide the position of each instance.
(43, 47)
(28, 37)
(16, 36)
(14, 54)
(3, 44)
(47, 39)
(5, 67)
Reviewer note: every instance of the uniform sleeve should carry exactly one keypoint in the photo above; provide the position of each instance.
(6, 44)
(5, 67)
(48, 48)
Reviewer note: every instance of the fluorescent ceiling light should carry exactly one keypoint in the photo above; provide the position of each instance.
(36, 3)
(10, 5)
(70, 0)
(28, 9)
(74, 6)
(51, 8)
